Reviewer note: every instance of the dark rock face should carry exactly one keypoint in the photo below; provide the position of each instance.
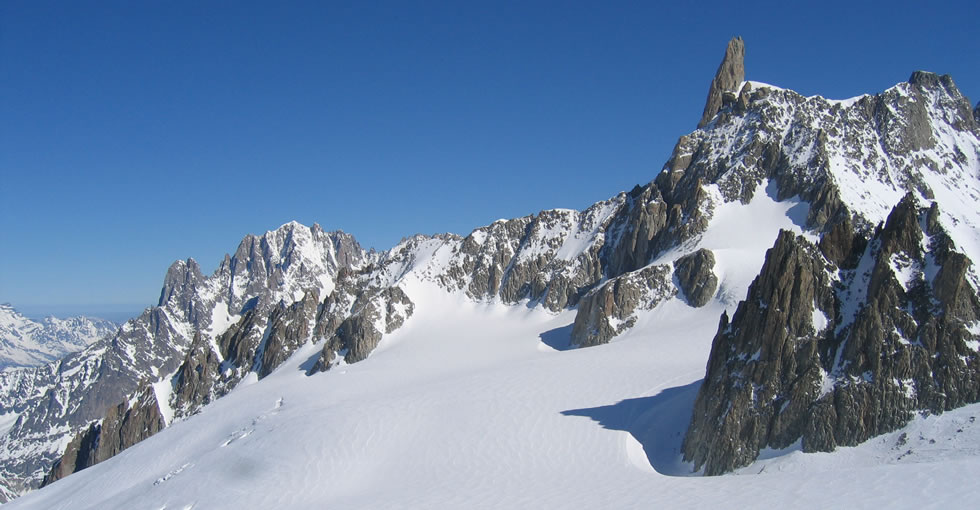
(695, 277)
(203, 376)
(192, 384)
(638, 225)
(178, 286)
(976, 113)
(288, 329)
(730, 74)
(609, 309)
(767, 351)
(835, 356)
(254, 343)
(374, 313)
(122, 427)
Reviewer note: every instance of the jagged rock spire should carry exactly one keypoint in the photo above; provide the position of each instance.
(731, 73)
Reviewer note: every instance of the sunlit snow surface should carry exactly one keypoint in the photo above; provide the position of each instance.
(478, 406)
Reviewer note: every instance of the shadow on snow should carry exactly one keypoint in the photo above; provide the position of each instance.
(559, 339)
(657, 422)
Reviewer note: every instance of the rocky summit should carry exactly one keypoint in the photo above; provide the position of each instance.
(863, 313)
(728, 79)
(831, 350)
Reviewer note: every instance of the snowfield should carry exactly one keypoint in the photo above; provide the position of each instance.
(479, 406)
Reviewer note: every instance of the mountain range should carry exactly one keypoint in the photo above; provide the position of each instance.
(817, 255)
(25, 342)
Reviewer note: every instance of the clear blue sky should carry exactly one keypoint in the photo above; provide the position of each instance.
(136, 133)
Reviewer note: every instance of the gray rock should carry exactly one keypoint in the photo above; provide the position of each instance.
(766, 353)
(610, 309)
(640, 222)
(289, 328)
(193, 384)
(841, 245)
(730, 74)
(122, 427)
(179, 288)
(695, 277)
(838, 363)
(375, 312)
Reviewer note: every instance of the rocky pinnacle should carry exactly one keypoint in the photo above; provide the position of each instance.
(731, 73)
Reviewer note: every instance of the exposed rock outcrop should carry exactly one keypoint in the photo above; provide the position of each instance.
(834, 356)
(193, 384)
(289, 328)
(183, 278)
(374, 313)
(254, 343)
(610, 308)
(123, 426)
(730, 74)
(695, 277)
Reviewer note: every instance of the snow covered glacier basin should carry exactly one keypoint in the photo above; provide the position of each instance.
(476, 405)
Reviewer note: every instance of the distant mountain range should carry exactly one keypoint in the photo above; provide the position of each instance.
(25, 342)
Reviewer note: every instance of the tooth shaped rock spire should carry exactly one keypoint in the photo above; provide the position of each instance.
(731, 73)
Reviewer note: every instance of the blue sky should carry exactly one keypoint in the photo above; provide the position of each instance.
(133, 134)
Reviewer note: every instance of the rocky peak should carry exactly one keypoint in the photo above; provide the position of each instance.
(942, 90)
(730, 74)
(286, 262)
(902, 233)
(182, 278)
(761, 360)
(833, 356)
(926, 79)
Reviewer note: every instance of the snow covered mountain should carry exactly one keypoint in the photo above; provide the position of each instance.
(46, 406)
(306, 372)
(25, 342)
